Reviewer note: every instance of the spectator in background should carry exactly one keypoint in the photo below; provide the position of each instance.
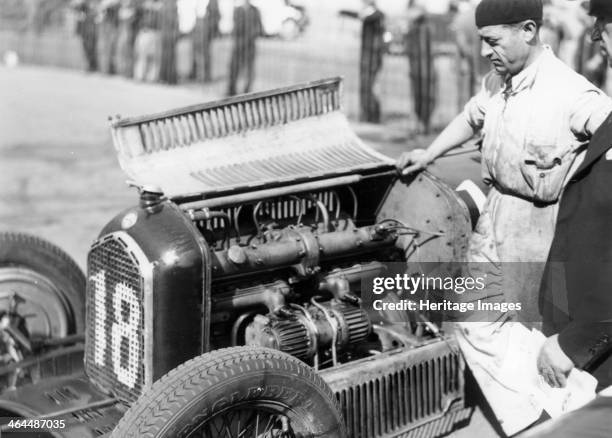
(473, 66)
(371, 58)
(247, 28)
(551, 31)
(147, 46)
(86, 30)
(169, 30)
(575, 20)
(128, 22)
(420, 58)
(564, 23)
(370, 63)
(108, 30)
(590, 62)
(206, 29)
(186, 15)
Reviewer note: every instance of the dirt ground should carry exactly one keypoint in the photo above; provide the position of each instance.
(60, 179)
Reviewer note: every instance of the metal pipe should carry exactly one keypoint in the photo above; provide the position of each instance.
(236, 326)
(355, 203)
(71, 339)
(271, 295)
(324, 212)
(298, 247)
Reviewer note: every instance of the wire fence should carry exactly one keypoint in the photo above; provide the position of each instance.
(207, 44)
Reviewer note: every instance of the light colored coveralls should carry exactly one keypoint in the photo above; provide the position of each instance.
(535, 126)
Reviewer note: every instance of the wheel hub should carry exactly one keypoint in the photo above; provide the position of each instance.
(33, 297)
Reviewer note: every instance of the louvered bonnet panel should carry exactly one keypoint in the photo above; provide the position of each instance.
(406, 393)
(292, 134)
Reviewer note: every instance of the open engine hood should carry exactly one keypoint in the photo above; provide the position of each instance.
(258, 140)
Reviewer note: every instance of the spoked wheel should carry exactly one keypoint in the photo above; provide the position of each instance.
(240, 392)
(248, 421)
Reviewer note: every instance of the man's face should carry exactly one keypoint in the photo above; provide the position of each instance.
(505, 46)
(602, 32)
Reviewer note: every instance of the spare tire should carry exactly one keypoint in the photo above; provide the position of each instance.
(240, 391)
(47, 284)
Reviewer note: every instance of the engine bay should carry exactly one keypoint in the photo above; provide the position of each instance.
(294, 272)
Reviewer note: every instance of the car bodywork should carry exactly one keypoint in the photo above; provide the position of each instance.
(259, 217)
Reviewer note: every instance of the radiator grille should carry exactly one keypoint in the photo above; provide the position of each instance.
(114, 358)
(400, 397)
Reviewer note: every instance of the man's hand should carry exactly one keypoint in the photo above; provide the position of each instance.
(413, 161)
(553, 364)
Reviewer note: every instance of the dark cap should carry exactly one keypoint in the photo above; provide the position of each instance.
(600, 8)
(492, 12)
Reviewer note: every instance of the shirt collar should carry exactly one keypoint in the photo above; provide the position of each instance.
(526, 77)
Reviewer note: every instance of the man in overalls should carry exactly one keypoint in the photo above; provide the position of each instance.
(536, 115)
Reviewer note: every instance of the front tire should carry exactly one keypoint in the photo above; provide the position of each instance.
(240, 391)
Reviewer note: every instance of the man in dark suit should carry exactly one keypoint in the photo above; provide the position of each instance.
(370, 63)
(370, 58)
(576, 295)
(247, 28)
(86, 29)
(206, 29)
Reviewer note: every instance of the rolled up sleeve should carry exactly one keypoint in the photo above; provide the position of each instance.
(589, 112)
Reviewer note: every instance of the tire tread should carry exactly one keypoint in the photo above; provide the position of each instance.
(148, 415)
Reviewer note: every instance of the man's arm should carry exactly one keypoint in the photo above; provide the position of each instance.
(456, 133)
(585, 343)
(347, 13)
(461, 129)
(589, 111)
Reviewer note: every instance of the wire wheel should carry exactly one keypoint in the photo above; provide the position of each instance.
(248, 421)
(240, 392)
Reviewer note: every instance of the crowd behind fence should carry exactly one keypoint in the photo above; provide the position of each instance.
(414, 59)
